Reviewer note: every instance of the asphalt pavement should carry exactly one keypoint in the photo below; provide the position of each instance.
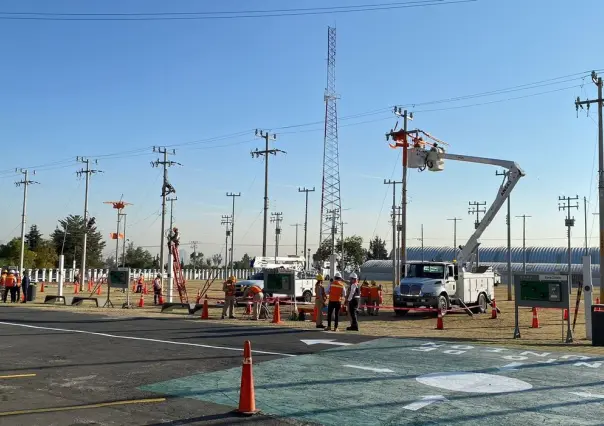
(66, 368)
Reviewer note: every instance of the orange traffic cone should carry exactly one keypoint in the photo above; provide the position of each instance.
(76, 288)
(314, 314)
(204, 312)
(98, 290)
(248, 308)
(277, 314)
(141, 301)
(89, 286)
(42, 287)
(247, 399)
(494, 310)
(439, 321)
(161, 299)
(145, 290)
(565, 315)
(535, 319)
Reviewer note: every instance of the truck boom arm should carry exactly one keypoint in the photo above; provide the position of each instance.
(513, 176)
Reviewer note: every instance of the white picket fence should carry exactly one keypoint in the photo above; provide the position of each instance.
(52, 275)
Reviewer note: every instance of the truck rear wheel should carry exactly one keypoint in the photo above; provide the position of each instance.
(307, 296)
(482, 303)
(443, 304)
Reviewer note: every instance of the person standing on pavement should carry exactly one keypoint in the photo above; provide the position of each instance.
(373, 298)
(229, 298)
(336, 292)
(3, 285)
(25, 282)
(320, 298)
(353, 302)
(364, 296)
(11, 286)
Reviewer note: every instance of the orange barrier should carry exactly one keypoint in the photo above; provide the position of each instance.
(247, 398)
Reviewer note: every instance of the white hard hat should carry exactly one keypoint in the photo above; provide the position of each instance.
(337, 275)
(353, 276)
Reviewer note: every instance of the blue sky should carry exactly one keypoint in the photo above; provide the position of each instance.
(99, 88)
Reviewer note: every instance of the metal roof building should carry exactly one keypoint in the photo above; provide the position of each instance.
(544, 260)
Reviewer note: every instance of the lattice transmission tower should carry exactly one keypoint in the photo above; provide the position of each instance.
(330, 197)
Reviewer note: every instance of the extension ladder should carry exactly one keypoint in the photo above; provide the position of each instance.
(179, 278)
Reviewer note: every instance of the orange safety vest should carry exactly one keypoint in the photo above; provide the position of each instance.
(364, 291)
(373, 291)
(255, 289)
(141, 280)
(230, 290)
(10, 281)
(335, 291)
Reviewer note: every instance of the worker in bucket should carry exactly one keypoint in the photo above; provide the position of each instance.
(336, 292)
(229, 298)
(354, 295)
(320, 299)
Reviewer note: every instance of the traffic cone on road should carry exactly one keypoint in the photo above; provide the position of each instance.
(89, 286)
(145, 290)
(439, 321)
(494, 310)
(141, 301)
(276, 314)
(205, 314)
(247, 398)
(535, 323)
(42, 287)
(565, 315)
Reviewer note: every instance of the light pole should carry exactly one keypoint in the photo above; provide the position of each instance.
(455, 220)
(524, 217)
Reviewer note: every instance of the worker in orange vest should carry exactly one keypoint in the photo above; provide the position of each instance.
(11, 285)
(229, 298)
(320, 299)
(364, 296)
(157, 289)
(3, 285)
(374, 298)
(139, 284)
(257, 297)
(336, 293)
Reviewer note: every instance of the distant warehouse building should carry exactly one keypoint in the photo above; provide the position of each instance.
(539, 260)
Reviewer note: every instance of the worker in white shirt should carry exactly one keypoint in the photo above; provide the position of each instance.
(354, 296)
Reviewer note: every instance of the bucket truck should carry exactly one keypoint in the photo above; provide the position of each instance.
(441, 285)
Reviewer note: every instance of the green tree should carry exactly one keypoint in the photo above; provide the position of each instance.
(216, 259)
(196, 260)
(10, 253)
(138, 257)
(33, 238)
(377, 249)
(70, 244)
(244, 263)
(354, 254)
(46, 255)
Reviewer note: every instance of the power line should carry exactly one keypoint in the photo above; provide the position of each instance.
(275, 13)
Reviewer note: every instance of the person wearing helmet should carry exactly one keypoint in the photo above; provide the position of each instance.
(336, 292)
(364, 296)
(157, 289)
(229, 298)
(320, 298)
(174, 238)
(374, 298)
(354, 295)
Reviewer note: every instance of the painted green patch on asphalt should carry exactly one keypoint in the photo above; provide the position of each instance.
(415, 382)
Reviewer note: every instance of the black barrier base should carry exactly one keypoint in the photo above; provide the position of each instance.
(169, 307)
(77, 301)
(194, 308)
(53, 299)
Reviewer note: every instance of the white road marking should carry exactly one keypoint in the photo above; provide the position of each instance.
(461, 381)
(144, 339)
(511, 366)
(588, 395)
(424, 402)
(324, 342)
(377, 370)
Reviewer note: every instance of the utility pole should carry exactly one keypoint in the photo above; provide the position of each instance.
(233, 196)
(395, 254)
(306, 191)
(508, 221)
(171, 259)
(88, 171)
(579, 104)
(475, 209)
(406, 116)
(296, 225)
(524, 217)
(585, 225)
(565, 203)
(422, 238)
(267, 137)
(25, 183)
(277, 218)
(226, 221)
(333, 215)
(123, 243)
(167, 189)
(455, 220)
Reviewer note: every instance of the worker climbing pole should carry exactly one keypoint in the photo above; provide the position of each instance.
(173, 243)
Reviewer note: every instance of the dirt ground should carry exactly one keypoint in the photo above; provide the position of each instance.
(457, 326)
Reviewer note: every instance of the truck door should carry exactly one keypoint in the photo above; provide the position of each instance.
(450, 283)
